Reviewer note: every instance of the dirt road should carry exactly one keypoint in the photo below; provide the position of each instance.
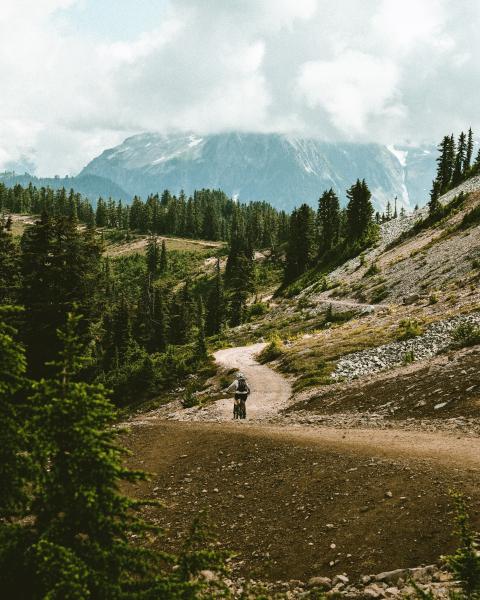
(293, 501)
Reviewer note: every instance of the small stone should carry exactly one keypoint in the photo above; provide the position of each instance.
(388, 494)
(340, 579)
(325, 583)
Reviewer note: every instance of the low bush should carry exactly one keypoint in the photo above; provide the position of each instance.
(378, 294)
(373, 269)
(256, 310)
(272, 351)
(408, 329)
(466, 334)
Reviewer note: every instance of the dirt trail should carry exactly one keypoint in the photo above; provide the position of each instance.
(312, 500)
(269, 390)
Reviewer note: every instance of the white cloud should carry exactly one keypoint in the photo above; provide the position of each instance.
(379, 70)
(351, 88)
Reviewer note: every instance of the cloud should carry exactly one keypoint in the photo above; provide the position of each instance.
(383, 71)
(351, 88)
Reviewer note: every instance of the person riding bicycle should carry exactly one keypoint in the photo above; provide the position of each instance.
(242, 390)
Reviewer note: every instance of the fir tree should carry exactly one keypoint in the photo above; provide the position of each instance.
(359, 211)
(82, 522)
(9, 267)
(201, 351)
(163, 258)
(216, 304)
(468, 153)
(328, 221)
(445, 164)
(434, 203)
(153, 256)
(14, 458)
(159, 336)
(388, 211)
(459, 165)
(60, 270)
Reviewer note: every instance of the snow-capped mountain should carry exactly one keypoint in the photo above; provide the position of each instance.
(281, 169)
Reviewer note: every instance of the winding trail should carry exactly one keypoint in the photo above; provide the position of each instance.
(269, 390)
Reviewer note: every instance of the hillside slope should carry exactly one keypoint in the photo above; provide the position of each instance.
(280, 169)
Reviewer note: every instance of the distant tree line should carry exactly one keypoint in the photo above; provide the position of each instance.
(455, 164)
(207, 214)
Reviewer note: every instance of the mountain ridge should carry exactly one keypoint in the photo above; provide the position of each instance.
(284, 170)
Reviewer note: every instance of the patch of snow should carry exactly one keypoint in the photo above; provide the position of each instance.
(400, 155)
(159, 160)
(194, 141)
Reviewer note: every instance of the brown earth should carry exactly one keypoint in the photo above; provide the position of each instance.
(447, 386)
(282, 497)
(296, 501)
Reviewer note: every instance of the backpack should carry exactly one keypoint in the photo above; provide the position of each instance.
(242, 386)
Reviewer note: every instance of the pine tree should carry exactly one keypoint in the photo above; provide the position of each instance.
(434, 203)
(445, 164)
(182, 316)
(201, 351)
(395, 213)
(359, 211)
(153, 256)
(459, 164)
(159, 337)
(60, 270)
(9, 267)
(101, 218)
(388, 211)
(468, 153)
(163, 259)
(216, 304)
(328, 221)
(14, 457)
(82, 522)
(121, 328)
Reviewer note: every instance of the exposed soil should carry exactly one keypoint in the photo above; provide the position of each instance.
(294, 501)
(281, 498)
(445, 387)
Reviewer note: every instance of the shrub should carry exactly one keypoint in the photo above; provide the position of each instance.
(409, 357)
(465, 562)
(475, 263)
(409, 329)
(471, 218)
(373, 269)
(466, 334)
(272, 351)
(257, 310)
(433, 298)
(190, 397)
(378, 294)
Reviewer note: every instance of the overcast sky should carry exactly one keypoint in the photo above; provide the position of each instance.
(81, 75)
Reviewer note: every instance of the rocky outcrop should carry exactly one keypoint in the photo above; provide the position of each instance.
(437, 338)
